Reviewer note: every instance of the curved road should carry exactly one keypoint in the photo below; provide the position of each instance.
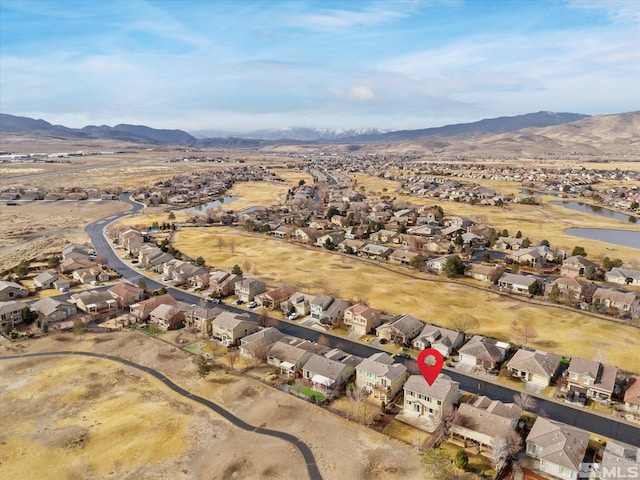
(309, 459)
(599, 424)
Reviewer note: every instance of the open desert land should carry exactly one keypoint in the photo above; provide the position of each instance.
(399, 290)
(538, 222)
(87, 418)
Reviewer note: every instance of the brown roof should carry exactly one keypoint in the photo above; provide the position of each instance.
(561, 444)
(632, 395)
(536, 362)
(147, 306)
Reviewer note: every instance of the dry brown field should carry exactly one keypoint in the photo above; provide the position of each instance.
(86, 418)
(400, 290)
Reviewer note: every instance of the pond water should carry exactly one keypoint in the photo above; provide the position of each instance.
(625, 238)
(206, 206)
(594, 209)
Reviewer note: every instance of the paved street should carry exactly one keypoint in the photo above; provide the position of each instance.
(602, 425)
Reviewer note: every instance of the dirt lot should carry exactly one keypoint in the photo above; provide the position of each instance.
(74, 417)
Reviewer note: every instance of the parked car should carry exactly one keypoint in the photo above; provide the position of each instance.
(239, 302)
(252, 304)
(293, 316)
(216, 301)
(403, 356)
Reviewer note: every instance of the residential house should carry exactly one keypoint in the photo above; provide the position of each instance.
(126, 293)
(168, 317)
(131, 239)
(179, 272)
(437, 264)
(483, 352)
(75, 251)
(290, 355)
(484, 273)
(45, 280)
(535, 366)
(381, 377)
(72, 264)
(441, 339)
(576, 266)
(375, 252)
(151, 257)
(362, 319)
(621, 302)
(401, 330)
(94, 301)
(274, 298)
(11, 313)
(298, 302)
(508, 243)
(516, 283)
(11, 290)
(383, 236)
(560, 448)
(61, 284)
(305, 235)
(327, 374)
(632, 396)
(328, 310)
(247, 288)
(142, 310)
(333, 238)
(351, 245)
(572, 289)
(439, 246)
(230, 327)
(593, 379)
(260, 342)
(53, 310)
(403, 257)
(200, 317)
(282, 231)
(91, 275)
(620, 460)
(223, 283)
(422, 399)
(623, 276)
(482, 422)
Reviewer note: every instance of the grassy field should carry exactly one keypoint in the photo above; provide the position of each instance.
(318, 271)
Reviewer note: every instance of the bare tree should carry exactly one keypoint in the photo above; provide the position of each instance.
(232, 246)
(361, 411)
(323, 341)
(232, 357)
(102, 260)
(634, 311)
(525, 401)
(463, 323)
(527, 333)
(448, 417)
(220, 243)
(257, 351)
(266, 321)
(246, 266)
(506, 446)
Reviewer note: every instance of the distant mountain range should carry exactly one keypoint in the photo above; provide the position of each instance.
(10, 124)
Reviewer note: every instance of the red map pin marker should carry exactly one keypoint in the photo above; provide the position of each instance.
(430, 364)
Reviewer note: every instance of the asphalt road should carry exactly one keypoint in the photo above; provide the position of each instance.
(309, 459)
(606, 426)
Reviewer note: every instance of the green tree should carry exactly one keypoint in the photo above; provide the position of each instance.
(203, 367)
(453, 266)
(200, 261)
(515, 267)
(437, 465)
(236, 270)
(526, 243)
(608, 264)
(416, 262)
(44, 327)
(504, 233)
(486, 258)
(578, 251)
(22, 269)
(172, 216)
(79, 328)
(554, 294)
(458, 240)
(545, 243)
(634, 205)
(402, 228)
(461, 459)
(329, 245)
(591, 272)
(301, 182)
(535, 288)
(332, 212)
(142, 283)
(518, 234)
(28, 316)
(53, 262)
(162, 291)
(7, 329)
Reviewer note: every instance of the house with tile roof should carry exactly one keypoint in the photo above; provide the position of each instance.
(535, 366)
(559, 448)
(381, 377)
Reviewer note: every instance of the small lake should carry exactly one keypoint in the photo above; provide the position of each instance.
(209, 205)
(625, 238)
(594, 210)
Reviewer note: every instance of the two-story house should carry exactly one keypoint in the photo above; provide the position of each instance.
(593, 379)
(381, 377)
(230, 327)
(273, 298)
(362, 319)
(576, 266)
(247, 288)
(11, 313)
(422, 399)
(327, 309)
(559, 448)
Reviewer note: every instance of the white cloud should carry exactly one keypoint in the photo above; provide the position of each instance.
(341, 19)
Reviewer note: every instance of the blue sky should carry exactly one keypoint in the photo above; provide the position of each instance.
(243, 65)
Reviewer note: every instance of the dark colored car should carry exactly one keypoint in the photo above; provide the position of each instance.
(403, 356)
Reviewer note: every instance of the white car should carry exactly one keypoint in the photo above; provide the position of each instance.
(293, 316)
(252, 304)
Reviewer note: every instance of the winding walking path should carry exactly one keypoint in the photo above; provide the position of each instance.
(312, 468)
